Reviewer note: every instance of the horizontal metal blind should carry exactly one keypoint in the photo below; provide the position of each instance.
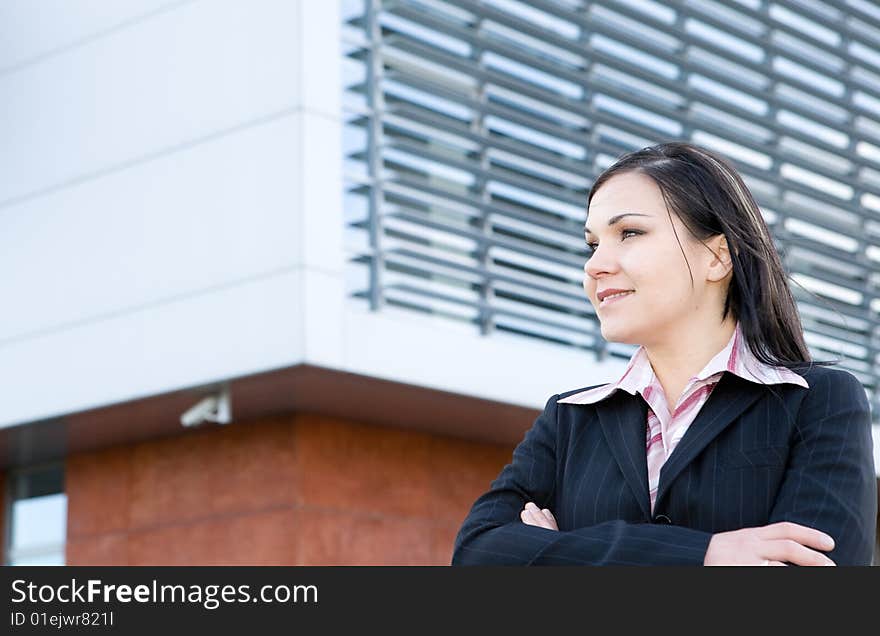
(475, 128)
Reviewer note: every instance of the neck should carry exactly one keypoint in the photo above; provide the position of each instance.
(676, 360)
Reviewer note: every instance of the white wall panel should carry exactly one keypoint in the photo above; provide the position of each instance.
(151, 221)
(425, 351)
(323, 225)
(32, 29)
(217, 213)
(198, 70)
(320, 85)
(197, 340)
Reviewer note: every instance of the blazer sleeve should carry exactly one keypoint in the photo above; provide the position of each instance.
(493, 534)
(830, 483)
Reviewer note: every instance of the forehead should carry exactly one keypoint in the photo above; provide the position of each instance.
(630, 192)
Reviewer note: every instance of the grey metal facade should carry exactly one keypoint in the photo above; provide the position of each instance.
(475, 128)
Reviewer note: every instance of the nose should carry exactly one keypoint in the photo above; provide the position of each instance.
(601, 262)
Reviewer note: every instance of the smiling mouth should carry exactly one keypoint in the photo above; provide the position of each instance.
(614, 298)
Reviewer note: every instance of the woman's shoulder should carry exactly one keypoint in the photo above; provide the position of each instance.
(829, 385)
(821, 375)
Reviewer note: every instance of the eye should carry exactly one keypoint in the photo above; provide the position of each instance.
(592, 246)
(633, 232)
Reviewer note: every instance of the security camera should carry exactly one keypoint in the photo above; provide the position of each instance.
(214, 408)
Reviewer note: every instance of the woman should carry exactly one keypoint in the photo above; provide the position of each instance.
(722, 443)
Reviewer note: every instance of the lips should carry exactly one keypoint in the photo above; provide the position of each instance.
(614, 296)
(608, 291)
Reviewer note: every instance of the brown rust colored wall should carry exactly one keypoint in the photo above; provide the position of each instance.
(297, 490)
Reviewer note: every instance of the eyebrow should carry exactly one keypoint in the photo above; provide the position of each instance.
(615, 219)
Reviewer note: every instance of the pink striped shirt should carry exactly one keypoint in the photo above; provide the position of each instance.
(664, 428)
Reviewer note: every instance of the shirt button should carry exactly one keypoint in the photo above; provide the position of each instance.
(663, 519)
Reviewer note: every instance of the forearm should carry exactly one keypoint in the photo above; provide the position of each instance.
(607, 543)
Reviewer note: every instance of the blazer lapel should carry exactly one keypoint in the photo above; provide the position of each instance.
(623, 418)
(731, 396)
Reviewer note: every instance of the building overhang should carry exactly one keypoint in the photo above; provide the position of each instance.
(292, 390)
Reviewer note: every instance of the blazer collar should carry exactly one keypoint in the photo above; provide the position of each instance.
(735, 357)
(622, 418)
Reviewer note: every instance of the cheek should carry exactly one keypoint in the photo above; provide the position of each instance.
(660, 275)
(588, 284)
(669, 290)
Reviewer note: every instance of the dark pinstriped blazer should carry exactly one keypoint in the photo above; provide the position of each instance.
(754, 455)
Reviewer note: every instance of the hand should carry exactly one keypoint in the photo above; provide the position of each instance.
(775, 544)
(534, 516)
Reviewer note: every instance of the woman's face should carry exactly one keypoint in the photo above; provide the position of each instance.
(636, 249)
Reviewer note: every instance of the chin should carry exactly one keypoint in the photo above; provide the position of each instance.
(619, 334)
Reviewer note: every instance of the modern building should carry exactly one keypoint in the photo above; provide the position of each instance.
(286, 281)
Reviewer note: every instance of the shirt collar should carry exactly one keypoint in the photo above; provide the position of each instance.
(735, 357)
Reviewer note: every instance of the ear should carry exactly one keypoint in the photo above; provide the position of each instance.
(720, 264)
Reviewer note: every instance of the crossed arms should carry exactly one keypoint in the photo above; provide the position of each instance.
(829, 488)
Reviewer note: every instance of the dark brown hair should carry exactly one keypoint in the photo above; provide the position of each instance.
(710, 198)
